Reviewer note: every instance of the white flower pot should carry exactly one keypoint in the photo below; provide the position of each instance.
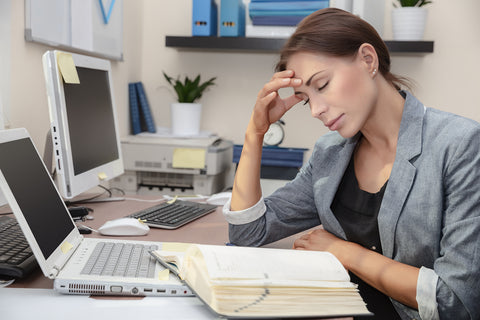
(409, 23)
(186, 118)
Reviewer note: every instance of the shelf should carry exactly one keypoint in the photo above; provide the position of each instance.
(274, 45)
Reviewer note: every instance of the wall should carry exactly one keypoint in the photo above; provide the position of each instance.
(5, 36)
(28, 101)
(447, 79)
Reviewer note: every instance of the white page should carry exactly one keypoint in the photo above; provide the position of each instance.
(271, 264)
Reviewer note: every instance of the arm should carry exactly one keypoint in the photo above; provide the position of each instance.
(269, 108)
(395, 279)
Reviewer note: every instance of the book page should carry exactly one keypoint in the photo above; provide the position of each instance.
(271, 265)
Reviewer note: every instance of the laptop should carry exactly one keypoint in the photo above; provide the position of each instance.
(63, 254)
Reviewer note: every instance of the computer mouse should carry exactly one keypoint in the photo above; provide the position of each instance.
(124, 227)
(219, 199)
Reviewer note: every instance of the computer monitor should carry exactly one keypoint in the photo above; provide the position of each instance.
(84, 131)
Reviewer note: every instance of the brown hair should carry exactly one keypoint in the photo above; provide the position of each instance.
(338, 33)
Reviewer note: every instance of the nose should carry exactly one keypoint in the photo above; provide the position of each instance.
(317, 108)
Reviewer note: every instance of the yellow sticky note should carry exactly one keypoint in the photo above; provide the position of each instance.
(102, 176)
(66, 246)
(164, 275)
(175, 246)
(189, 158)
(172, 200)
(67, 67)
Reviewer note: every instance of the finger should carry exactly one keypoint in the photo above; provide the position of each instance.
(283, 74)
(278, 84)
(299, 243)
(268, 98)
(291, 101)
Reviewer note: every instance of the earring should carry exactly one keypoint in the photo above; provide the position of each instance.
(374, 72)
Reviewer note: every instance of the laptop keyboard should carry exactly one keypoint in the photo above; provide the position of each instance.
(16, 257)
(121, 260)
(173, 215)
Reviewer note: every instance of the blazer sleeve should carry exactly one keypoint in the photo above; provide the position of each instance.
(458, 285)
(289, 210)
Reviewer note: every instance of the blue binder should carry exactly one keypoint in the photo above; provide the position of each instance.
(146, 119)
(232, 18)
(204, 18)
(134, 112)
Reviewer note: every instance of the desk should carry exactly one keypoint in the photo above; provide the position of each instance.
(33, 297)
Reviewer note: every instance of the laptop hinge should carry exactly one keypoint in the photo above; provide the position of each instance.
(60, 261)
(53, 273)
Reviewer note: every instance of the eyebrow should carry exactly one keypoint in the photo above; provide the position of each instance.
(309, 81)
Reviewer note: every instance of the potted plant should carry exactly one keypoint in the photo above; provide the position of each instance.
(186, 113)
(409, 19)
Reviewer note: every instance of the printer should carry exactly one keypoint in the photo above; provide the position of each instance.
(175, 166)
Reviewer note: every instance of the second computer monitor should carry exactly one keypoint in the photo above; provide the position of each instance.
(85, 138)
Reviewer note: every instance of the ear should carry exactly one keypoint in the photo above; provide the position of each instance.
(368, 57)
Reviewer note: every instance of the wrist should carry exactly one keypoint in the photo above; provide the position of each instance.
(252, 136)
(349, 253)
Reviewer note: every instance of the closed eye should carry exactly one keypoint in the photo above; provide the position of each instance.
(323, 87)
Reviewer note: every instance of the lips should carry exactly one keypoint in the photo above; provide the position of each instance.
(334, 124)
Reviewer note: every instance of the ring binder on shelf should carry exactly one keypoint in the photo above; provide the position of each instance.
(232, 18)
(204, 18)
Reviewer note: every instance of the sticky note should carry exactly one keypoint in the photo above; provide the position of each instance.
(163, 275)
(67, 67)
(175, 246)
(172, 200)
(66, 246)
(189, 158)
(102, 176)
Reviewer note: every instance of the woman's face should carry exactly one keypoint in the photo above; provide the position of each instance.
(341, 92)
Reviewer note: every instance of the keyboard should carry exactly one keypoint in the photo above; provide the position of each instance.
(121, 260)
(16, 257)
(173, 215)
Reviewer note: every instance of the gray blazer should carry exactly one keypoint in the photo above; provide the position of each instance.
(429, 217)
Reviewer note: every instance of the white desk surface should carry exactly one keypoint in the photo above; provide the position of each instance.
(46, 304)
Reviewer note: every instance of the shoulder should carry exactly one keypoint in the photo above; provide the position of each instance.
(451, 140)
(330, 148)
(448, 128)
(330, 140)
(448, 122)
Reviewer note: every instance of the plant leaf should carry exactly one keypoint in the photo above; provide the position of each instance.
(188, 90)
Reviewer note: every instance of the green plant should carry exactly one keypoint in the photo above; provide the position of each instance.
(189, 91)
(411, 3)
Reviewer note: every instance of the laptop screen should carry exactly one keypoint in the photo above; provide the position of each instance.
(35, 193)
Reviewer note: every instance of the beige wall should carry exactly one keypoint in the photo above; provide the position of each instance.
(447, 79)
(28, 100)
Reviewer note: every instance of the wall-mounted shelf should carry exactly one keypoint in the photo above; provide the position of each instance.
(274, 45)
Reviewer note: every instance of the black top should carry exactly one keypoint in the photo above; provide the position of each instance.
(357, 212)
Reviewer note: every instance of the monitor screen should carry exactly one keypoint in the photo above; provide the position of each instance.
(90, 120)
(86, 145)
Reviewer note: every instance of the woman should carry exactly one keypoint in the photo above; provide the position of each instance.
(394, 185)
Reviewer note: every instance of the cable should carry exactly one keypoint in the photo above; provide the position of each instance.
(87, 227)
(145, 200)
(106, 190)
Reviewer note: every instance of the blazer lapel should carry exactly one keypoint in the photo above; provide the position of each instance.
(338, 163)
(409, 146)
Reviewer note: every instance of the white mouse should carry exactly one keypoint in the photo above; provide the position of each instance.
(219, 199)
(124, 227)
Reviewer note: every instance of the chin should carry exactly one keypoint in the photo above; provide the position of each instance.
(347, 133)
